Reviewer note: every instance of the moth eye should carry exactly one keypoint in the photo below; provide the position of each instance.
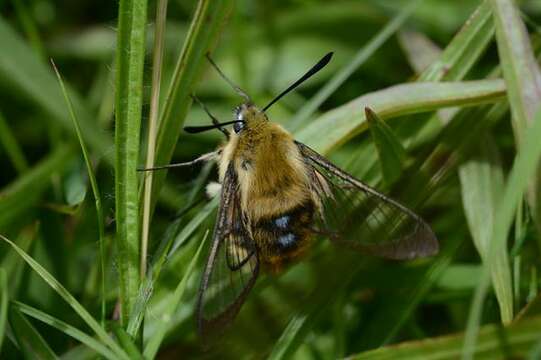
(238, 126)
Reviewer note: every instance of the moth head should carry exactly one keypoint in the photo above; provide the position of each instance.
(247, 116)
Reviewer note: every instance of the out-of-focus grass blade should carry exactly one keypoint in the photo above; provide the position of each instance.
(481, 180)
(23, 70)
(12, 147)
(523, 78)
(130, 58)
(12, 263)
(524, 168)
(419, 49)
(26, 190)
(164, 320)
(32, 345)
(512, 342)
(95, 189)
(392, 314)
(127, 342)
(65, 328)
(68, 297)
(465, 48)
(4, 299)
(390, 151)
(205, 29)
(346, 121)
(362, 55)
(321, 298)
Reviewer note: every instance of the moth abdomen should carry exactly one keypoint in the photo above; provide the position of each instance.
(283, 238)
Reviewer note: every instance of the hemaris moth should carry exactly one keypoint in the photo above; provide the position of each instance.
(277, 196)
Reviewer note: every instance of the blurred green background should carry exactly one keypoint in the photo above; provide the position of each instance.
(451, 165)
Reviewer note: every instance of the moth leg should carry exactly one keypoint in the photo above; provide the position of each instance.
(206, 157)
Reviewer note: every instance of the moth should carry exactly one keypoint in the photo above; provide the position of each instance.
(277, 196)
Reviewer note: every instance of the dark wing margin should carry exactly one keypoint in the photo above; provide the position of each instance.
(232, 265)
(357, 216)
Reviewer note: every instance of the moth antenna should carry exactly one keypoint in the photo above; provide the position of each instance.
(318, 66)
(212, 117)
(237, 89)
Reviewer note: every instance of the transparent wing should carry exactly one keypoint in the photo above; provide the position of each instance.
(355, 215)
(232, 266)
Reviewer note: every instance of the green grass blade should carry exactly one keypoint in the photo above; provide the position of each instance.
(130, 56)
(157, 62)
(523, 78)
(348, 120)
(68, 297)
(512, 342)
(520, 68)
(32, 345)
(67, 329)
(465, 48)
(12, 147)
(206, 26)
(4, 299)
(127, 342)
(12, 263)
(362, 55)
(25, 192)
(25, 73)
(420, 51)
(482, 181)
(390, 151)
(524, 167)
(163, 322)
(95, 190)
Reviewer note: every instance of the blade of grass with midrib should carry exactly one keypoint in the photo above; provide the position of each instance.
(481, 180)
(204, 31)
(69, 298)
(30, 341)
(524, 168)
(67, 329)
(130, 56)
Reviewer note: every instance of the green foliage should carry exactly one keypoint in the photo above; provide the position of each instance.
(455, 89)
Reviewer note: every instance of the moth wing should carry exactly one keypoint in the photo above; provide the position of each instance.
(232, 265)
(355, 215)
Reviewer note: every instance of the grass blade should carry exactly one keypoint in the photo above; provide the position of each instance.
(465, 48)
(524, 167)
(25, 73)
(68, 297)
(12, 263)
(523, 78)
(494, 343)
(130, 55)
(362, 55)
(482, 181)
(127, 342)
(157, 61)
(95, 190)
(348, 120)
(204, 31)
(390, 151)
(163, 322)
(12, 147)
(30, 341)
(67, 329)
(23, 193)
(4, 298)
